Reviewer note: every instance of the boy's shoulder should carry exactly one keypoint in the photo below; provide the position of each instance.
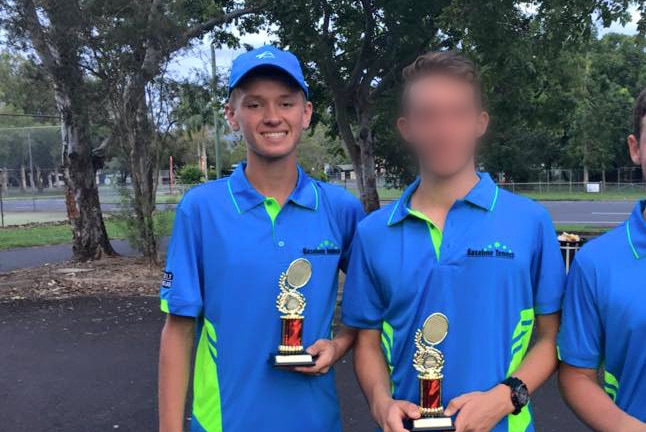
(206, 194)
(378, 220)
(336, 195)
(520, 205)
(596, 252)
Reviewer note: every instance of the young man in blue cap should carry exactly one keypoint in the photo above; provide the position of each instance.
(604, 318)
(456, 245)
(232, 240)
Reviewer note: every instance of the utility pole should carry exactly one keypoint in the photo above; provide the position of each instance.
(216, 117)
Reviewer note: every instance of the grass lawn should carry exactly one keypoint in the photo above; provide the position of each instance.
(49, 234)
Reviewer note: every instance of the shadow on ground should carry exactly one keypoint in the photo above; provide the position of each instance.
(90, 365)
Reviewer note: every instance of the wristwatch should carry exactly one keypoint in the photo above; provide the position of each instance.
(519, 393)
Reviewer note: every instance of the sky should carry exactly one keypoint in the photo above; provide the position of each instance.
(187, 62)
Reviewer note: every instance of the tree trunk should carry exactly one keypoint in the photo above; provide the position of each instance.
(361, 152)
(59, 48)
(39, 179)
(586, 174)
(23, 179)
(90, 238)
(143, 151)
(4, 179)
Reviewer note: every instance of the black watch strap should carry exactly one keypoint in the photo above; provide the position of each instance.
(519, 393)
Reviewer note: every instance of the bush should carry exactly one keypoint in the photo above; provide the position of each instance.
(190, 175)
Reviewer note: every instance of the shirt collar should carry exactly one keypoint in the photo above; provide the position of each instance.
(636, 230)
(484, 195)
(245, 196)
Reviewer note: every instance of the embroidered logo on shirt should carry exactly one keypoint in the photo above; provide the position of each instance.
(167, 280)
(326, 247)
(492, 250)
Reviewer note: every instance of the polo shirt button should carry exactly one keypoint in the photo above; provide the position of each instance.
(281, 243)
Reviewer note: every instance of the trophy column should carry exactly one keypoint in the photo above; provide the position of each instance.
(291, 334)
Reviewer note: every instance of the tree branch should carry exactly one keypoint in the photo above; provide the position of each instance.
(369, 22)
(199, 29)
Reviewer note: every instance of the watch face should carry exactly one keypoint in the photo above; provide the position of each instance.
(522, 395)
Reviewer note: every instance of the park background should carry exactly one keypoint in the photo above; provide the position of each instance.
(111, 109)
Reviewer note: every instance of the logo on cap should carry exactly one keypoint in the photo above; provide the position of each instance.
(265, 55)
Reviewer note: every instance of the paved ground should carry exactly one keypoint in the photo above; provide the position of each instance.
(12, 259)
(89, 365)
(589, 212)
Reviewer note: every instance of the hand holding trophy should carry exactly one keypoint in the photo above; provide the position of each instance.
(429, 362)
(291, 303)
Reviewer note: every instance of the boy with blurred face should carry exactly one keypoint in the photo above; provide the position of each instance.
(458, 245)
(232, 240)
(604, 318)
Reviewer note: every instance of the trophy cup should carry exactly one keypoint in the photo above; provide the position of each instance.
(429, 362)
(291, 303)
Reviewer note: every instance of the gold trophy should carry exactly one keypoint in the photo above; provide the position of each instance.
(429, 362)
(291, 303)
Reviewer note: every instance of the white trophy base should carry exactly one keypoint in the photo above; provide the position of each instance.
(433, 424)
(293, 360)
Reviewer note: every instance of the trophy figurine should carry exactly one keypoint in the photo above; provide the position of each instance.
(291, 303)
(429, 362)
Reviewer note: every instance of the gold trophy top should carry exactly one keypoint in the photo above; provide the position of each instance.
(428, 360)
(290, 301)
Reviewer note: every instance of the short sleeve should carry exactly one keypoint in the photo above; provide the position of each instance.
(181, 291)
(362, 305)
(548, 269)
(349, 218)
(580, 337)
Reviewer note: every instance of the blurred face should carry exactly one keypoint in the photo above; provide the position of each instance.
(271, 115)
(442, 123)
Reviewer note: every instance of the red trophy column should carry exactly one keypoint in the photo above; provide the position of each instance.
(430, 394)
(292, 334)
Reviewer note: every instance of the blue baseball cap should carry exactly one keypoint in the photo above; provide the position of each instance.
(267, 56)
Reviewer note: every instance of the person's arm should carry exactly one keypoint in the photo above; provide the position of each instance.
(174, 371)
(592, 405)
(481, 411)
(374, 380)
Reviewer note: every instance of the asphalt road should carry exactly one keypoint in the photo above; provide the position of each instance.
(90, 365)
(589, 212)
(12, 259)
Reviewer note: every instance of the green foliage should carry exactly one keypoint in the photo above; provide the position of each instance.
(190, 175)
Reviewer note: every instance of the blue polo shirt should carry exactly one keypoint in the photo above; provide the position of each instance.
(228, 249)
(498, 265)
(604, 312)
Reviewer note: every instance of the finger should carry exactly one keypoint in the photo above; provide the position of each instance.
(459, 424)
(456, 404)
(411, 410)
(317, 347)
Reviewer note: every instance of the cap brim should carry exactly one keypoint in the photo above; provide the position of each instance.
(280, 68)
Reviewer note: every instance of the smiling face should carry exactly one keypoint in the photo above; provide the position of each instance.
(271, 112)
